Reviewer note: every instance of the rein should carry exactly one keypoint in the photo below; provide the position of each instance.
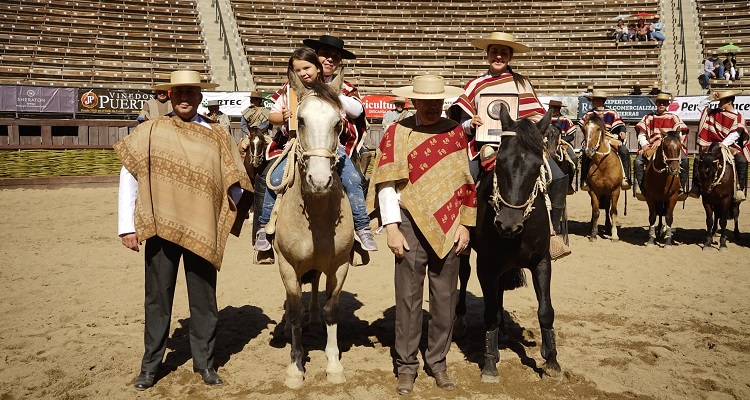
(664, 157)
(599, 142)
(544, 178)
(727, 158)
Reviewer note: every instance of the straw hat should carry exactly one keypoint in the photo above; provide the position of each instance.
(212, 103)
(397, 100)
(330, 41)
(502, 38)
(256, 95)
(556, 103)
(598, 93)
(185, 78)
(724, 94)
(428, 87)
(663, 96)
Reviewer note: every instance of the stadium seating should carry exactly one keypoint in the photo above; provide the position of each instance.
(722, 23)
(571, 40)
(123, 44)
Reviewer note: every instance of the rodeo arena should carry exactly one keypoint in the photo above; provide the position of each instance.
(246, 199)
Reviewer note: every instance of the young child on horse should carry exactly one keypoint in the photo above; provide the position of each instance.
(305, 63)
(616, 132)
(650, 130)
(500, 78)
(726, 125)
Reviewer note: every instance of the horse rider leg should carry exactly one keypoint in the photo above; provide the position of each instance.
(585, 163)
(574, 160)
(624, 154)
(557, 247)
(639, 168)
(684, 171)
(695, 189)
(740, 165)
(351, 180)
(262, 243)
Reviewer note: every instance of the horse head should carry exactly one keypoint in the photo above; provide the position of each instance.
(712, 167)
(257, 147)
(319, 124)
(518, 171)
(552, 138)
(593, 131)
(671, 151)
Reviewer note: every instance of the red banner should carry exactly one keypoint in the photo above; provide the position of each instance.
(377, 105)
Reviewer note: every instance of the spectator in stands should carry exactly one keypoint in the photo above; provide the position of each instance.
(651, 128)
(397, 114)
(305, 63)
(656, 30)
(255, 116)
(655, 90)
(730, 67)
(589, 90)
(215, 114)
(567, 135)
(155, 107)
(616, 131)
(632, 32)
(636, 90)
(182, 207)
(500, 78)
(712, 69)
(621, 31)
(642, 30)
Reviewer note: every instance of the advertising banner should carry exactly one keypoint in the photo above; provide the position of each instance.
(377, 105)
(111, 101)
(630, 108)
(689, 108)
(39, 99)
(232, 103)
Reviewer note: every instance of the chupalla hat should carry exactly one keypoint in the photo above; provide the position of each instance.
(399, 100)
(330, 41)
(724, 94)
(663, 96)
(502, 38)
(185, 78)
(556, 103)
(256, 95)
(428, 87)
(599, 93)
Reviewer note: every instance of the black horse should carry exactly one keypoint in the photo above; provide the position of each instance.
(512, 232)
(716, 177)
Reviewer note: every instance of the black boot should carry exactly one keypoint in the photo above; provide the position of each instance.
(695, 189)
(740, 165)
(625, 159)
(684, 171)
(640, 171)
(585, 163)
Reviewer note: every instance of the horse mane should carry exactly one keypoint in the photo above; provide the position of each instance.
(325, 93)
(528, 136)
(596, 119)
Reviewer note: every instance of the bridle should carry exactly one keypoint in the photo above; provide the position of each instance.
(665, 159)
(544, 178)
(257, 153)
(598, 140)
(726, 158)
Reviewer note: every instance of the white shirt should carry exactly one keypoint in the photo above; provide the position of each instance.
(128, 193)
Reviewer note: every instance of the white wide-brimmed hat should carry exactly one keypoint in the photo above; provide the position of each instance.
(212, 103)
(599, 93)
(663, 96)
(502, 38)
(428, 87)
(185, 78)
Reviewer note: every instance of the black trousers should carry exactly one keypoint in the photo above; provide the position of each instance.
(162, 262)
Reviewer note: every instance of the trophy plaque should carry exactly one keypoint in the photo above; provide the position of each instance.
(489, 110)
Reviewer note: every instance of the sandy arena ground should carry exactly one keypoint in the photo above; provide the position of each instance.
(631, 322)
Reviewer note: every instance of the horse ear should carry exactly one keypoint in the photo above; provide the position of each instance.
(505, 118)
(295, 83)
(543, 124)
(338, 81)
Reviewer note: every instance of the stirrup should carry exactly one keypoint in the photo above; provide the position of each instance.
(694, 193)
(739, 196)
(640, 196)
(557, 248)
(584, 186)
(682, 195)
(625, 185)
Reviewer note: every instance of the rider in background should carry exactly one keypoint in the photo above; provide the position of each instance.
(567, 134)
(651, 129)
(616, 130)
(726, 125)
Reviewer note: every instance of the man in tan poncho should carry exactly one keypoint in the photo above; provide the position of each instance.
(181, 179)
(422, 185)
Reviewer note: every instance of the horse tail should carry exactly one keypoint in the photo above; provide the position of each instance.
(604, 201)
(512, 279)
(308, 276)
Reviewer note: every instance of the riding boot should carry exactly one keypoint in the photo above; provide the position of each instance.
(640, 171)
(695, 189)
(740, 165)
(625, 158)
(585, 163)
(684, 171)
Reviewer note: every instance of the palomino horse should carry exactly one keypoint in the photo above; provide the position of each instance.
(314, 226)
(717, 191)
(512, 232)
(605, 176)
(661, 185)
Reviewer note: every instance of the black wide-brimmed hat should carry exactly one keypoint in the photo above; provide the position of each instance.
(332, 42)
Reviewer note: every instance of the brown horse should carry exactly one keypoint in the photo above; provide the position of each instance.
(314, 226)
(255, 158)
(716, 176)
(604, 178)
(662, 185)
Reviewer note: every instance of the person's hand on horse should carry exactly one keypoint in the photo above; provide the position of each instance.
(396, 240)
(476, 121)
(286, 113)
(644, 148)
(461, 239)
(130, 240)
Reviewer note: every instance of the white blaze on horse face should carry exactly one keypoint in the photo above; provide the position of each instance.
(593, 138)
(318, 135)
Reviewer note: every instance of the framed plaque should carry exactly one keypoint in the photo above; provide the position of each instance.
(489, 110)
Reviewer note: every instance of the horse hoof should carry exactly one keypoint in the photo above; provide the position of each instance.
(615, 239)
(490, 378)
(335, 377)
(553, 372)
(708, 248)
(294, 377)
(723, 249)
(668, 246)
(592, 238)
(650, 244)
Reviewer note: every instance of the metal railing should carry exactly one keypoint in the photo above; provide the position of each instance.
(683, 52)
(223, 36)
